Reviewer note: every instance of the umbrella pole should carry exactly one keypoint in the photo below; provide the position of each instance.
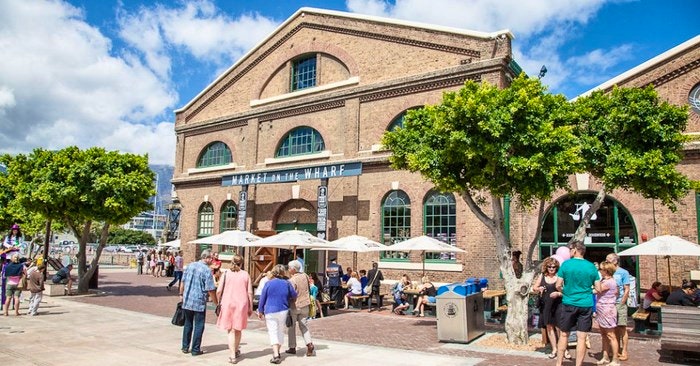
(423, 264)
(354, 260)
(668, 264)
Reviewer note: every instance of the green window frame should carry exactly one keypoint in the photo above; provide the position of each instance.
(303, 73)
(229, 216)
(215, 154)
(440, 222)
(205, 220)
(398, 120)
(396, 223)
(301, 141)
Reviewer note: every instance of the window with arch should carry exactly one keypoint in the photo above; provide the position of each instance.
(205, 220)
(215, 154)
(398, 121)
(301, 141)
(396, 222)
(440, 221)
(694, 99)
(303, 73)
(229, 216)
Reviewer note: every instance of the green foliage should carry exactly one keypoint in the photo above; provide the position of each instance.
(633, 141)
(517, 141)
(126, 236)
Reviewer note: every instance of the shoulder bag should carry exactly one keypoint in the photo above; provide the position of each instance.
(368, 288)
(179, 316)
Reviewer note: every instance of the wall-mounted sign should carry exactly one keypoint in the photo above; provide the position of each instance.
(322, 211)
(293, 175)
(242, 205)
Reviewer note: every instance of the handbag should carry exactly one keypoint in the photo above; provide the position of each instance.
(179, 316)
(289, 322)
(368, 288)
(217, 311)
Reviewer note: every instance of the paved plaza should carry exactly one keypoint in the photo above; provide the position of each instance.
(128, 323)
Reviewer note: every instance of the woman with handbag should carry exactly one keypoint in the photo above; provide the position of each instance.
(13, 273)
(274, 308)
(550, 300)
(235, 294)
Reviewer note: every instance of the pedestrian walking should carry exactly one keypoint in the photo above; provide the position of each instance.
(197, 283)
(622, 279)
(375, 278)
(299, 309)
(334, 272)
(36, 288)
(576, 278)
(178, 264)
(235, 294)
(274, 308)
(139, 262)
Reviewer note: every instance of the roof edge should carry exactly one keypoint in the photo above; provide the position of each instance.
(302, 11)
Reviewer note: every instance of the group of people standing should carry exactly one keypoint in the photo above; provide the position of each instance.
(572, 291)
(285, 299)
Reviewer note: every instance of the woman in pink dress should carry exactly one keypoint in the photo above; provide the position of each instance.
(606, 313)
(235, 294)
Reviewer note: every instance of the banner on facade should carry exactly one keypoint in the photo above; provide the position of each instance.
(293, 175)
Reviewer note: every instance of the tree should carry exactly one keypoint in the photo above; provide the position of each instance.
(126, 236)
(485, 143)
(632, 141)
(79, 188)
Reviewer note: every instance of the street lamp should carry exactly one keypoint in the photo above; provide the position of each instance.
(543, 71)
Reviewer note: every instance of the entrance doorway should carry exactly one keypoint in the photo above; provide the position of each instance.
(611, 228)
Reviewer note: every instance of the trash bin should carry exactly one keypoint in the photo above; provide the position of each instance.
(460, 313)
(92, 284)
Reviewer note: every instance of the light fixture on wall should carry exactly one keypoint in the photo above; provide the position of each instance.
(543, 71)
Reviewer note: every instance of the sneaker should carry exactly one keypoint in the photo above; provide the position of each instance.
(291, 351)
(310, 350)
(168, 287)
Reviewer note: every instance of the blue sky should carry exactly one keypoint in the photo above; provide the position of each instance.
(110, 73)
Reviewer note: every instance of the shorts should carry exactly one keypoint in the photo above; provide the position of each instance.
(575, 318)
(621, 314)
(12, 290)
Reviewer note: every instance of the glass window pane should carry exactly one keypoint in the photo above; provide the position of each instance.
(215, 154)
(440, 217)
(229, 217)
(304, 73)
(206, 220)
(301, 141)
(396, 227)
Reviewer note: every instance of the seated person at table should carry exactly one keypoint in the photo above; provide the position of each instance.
(400, 298)
(652, 295)
(426, 295)
(354, 288)
(346, 276)
(684, 296)
(363, 279)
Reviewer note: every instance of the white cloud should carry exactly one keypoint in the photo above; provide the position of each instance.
(198, 28)
(61, 85)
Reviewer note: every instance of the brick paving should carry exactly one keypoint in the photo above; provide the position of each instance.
(125, 290)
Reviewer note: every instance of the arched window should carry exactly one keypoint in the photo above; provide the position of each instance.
(440, 221)
(229, 216)
(396, 222)
(303, 73)
(301, 141)
(205, 221)
(398, 121)
(215, 154)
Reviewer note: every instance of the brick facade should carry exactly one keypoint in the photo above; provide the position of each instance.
(369, 71)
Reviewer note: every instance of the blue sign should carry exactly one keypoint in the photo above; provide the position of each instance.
(293, 175)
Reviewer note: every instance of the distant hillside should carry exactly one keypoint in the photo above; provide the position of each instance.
(165, 174)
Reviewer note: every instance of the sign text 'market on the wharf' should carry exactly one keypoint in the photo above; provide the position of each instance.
(293, 175)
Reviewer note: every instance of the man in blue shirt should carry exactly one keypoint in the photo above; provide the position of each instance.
(334, 272)
(576, 277)
(622, 278)
(197, 283)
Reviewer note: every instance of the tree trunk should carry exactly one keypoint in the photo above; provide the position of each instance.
(580, 233)
(518, 296)
(47, 238)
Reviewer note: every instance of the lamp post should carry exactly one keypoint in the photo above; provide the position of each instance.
(543, 71)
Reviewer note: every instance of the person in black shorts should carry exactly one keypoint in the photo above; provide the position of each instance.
(576, 277)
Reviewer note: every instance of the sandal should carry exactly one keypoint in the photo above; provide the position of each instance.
(552, 355)
(602, 361)
(567, 355)
(276, 360)
(623, 357)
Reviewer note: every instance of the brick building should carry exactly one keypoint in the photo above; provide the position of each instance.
(289, 137)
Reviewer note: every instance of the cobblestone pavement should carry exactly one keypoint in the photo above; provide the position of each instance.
(124, 289)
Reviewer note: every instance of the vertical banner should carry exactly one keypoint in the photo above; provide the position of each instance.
(322, 209)
(242, 204)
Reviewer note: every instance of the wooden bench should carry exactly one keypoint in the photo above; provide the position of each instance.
(429, 309)
(354, 299)
(640, 318)
(680, 336)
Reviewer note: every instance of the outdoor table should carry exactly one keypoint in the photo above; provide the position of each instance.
(657, 305)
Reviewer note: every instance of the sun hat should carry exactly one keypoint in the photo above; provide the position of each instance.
(15, 227)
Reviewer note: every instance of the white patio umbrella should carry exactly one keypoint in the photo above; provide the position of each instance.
(233, 238)
(424, 244)
(355, 244)
(173, 243)
(293, 239)
(665, 245)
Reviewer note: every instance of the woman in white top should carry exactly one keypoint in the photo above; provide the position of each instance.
(354, 288)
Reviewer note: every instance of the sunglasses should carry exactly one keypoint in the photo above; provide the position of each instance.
(551, 266)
